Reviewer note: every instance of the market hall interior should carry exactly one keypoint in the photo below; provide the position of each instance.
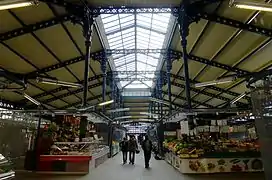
(81, 78)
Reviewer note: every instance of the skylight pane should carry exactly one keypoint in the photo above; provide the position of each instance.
(109, 18)
(127, 18)
(150, 34)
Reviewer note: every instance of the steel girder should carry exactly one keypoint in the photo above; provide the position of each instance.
(183, 98)
(178, 55)
(58, 89)
(174, 55)
(235, 23)
(211, 87)
(205, 93)
(34, 27)
(133, 51)
(101, 75)
(96, 56)
(118, 10)
(68, 94)
(133, 72)
(101, 54)
(115, 10)
(89, 99)
(132, 79)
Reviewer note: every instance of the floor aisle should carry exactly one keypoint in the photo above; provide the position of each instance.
(160, 170)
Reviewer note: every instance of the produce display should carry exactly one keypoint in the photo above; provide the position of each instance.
(5, 169)
(195, 148)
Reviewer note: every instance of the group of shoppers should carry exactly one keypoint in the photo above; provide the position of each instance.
(131, 146)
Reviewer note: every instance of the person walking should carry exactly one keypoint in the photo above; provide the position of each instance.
(147, 148)
(124, 148)
(132, 148)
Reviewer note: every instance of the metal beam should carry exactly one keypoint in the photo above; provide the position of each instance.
(134, 26)
(133, 51)
(210, 87)
(127, 72)
(193, 101)
(234, 23)
(259, 48)
(67, 94)
(116, 9)
(54, 11)
(132, 79)
(88, 100)
(134, 72)
(58, 89)
(34, 27)
(96, 56)
(204, 93)
(101, 54)
(178, 55)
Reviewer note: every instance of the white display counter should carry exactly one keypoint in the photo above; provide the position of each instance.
(214, 165)
(99, 157)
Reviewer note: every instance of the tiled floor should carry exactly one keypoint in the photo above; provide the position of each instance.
(160, 170)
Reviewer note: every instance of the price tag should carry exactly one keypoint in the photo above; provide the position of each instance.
(213, 122)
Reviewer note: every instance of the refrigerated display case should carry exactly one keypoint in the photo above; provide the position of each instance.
(73, 157)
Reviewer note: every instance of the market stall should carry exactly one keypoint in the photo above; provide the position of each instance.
(63, 148)
(73, 157)
(214, 149)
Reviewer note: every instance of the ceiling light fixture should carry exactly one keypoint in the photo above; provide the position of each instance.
(93, 106)
(11, 4)
(215, 82)
(106, 103)
(238, 98)
(119, 110)
(32, 99)
(123, 117)
(258, 6)
(86, 108)
(146, 120)
(57, 82)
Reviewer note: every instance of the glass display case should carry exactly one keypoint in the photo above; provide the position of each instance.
(77, 148)
(74, 157)
(6, 172)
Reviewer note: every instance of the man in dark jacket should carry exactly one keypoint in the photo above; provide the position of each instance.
(147, 148)
(124, 148)
(132, 148)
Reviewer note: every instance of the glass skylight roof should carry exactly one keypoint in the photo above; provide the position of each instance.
(136, 31)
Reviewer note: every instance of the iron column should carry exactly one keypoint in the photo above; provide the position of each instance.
(104, 72)
(87, 33)
(169, 67)
(184, 23)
